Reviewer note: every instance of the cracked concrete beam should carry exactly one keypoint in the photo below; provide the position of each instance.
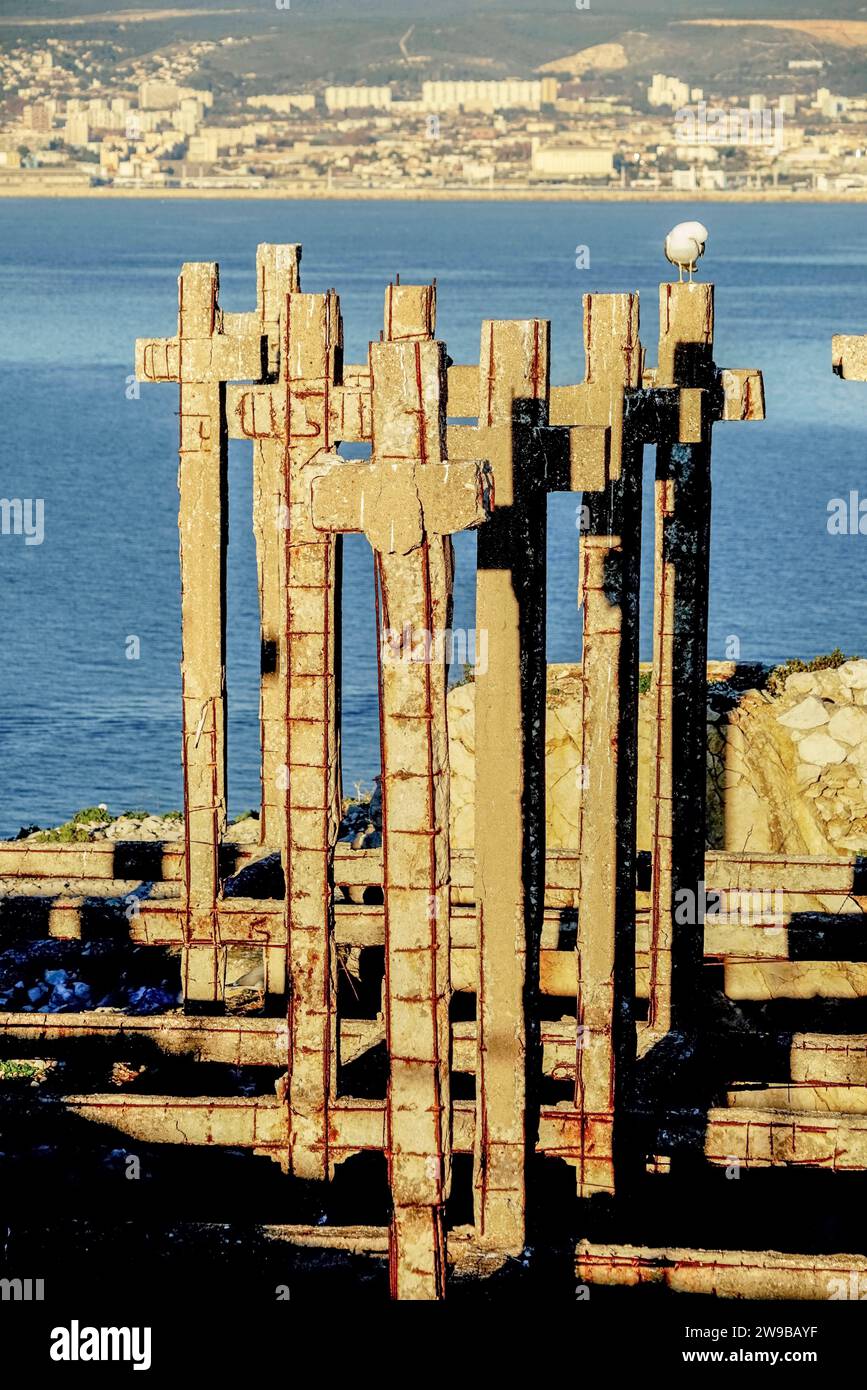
(754, 1274)
(830, 1059)
(413, 566)
(682, 538)
(609, 560)
(758, 1138)
(211, 348)
(795, 979)
(300, 766)
(511, 402)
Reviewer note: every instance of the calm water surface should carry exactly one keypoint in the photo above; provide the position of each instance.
(79, 281)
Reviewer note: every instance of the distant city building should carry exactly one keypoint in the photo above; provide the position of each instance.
(203, 149)
(187, 121)
(300, 101)
(788, 105)
(758, 102)
(38, 116)
(109, 158)
(158, 96)
(572, 161)
(102, 116)
(668, 91)
(512, 94)
(828, 104)
(215, 140)
(357, 98)
(695, 180)
(153, 96)
(806, 64)
(77, 130)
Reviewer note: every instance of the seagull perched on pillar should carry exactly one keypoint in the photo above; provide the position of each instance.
(684, 246)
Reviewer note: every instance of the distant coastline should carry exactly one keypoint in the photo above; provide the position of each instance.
(315, 193)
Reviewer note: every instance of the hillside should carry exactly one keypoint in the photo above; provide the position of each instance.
(712, 44)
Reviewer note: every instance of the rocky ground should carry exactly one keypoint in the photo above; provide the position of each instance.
(800, 765)
(50, 976)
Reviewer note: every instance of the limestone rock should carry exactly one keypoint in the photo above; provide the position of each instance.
(806, 773)
(849, 725)
(819, 748)
(809, 714)
(801, 683)
(828, 684)
(785, 775)
(854, 674)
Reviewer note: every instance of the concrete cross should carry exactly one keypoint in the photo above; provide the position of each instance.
(258, 413)
(609, 575)
(678, 406)
(508, 394)
(408, 500)
(290, 422)
(206, 353)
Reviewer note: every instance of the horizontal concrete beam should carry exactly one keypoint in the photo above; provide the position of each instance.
(261, 1124)
(796, 979)
(724, 1273)
(237, 1041)
(775, 1139)
(803, 1097)
(105, 859)
(835, 1057)
(240, 1041)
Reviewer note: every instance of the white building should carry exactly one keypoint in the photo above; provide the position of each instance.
(187, 122)
(156, 96)
(77, 130)
(203, 149)
(828, 104)
(668, 91)
(513, 94)
(357, 98)
(301, 101)
(572, 161)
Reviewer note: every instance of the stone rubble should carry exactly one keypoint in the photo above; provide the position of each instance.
(787, 773)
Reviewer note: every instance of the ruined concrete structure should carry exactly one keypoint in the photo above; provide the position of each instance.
(498, 923)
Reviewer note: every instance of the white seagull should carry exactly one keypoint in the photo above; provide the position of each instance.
(684, 246)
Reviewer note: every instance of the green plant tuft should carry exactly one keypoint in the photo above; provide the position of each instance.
(776, 682)
(77, 829)
(91, 815)
(22, 1071)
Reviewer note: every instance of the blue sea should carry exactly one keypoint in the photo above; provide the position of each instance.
(80, 723)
